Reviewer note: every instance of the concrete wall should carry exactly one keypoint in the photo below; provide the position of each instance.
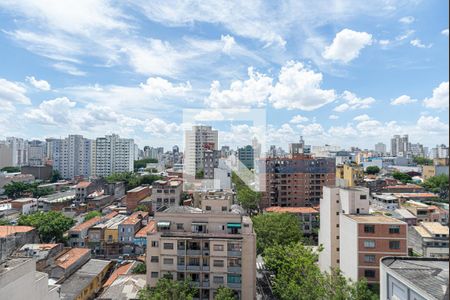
(15, 241)
(348, 247)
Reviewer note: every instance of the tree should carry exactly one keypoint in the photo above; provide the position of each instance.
(438, 184)
(10, 169)
(276, 229)
(130, 179)
(200, 174)
(423, 161)
(55, 176)
(40, 192)
(404, 178)
(246, 197)
(372, 170)
(141, 207)
(140, 268)
(17, 189)
(168, 289)
(4, 222)
(92, 214)
(50, 225)
(148, 179)
(224, 293)
(142, 163)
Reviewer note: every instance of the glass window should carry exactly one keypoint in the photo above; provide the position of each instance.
(369, 258)
(168, 246)
(168, 261)
(369, 244)
(218, 247)
(394, 244)
(179, 226)
(154, 274)
(218, 263)
(394, 229)
(208, 207)
(369, 228)
(218, 279)
(154, 259)
(369, 273)
(155, 244)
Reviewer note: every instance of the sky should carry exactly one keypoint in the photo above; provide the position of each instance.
(347, 73)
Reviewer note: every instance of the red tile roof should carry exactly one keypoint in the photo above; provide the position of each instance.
(134, 218)
(122, 270)
(87, 224)
(150, 227)
(295, 210)
(111, 215)
(83, 184)
(403, 186)
(68, 258)
(8, 230)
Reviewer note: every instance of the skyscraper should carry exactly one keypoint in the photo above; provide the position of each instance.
(380, 148)
(112, 154)
(400, 145)
(197, 140)
(19, 150)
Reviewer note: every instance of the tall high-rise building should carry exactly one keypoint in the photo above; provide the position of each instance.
(71, 156)
(295, 180)
(246, 156)
(19, 151)
(197, 140)
(440, 151)
(36, 154)
(417, 150)
(112, 154)
(400, 145)
(380, 148)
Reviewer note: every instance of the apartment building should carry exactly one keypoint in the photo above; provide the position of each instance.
(36, 153)
(212, 248)
(112, 154)
(216, 200)
(429, 239)
(166, 193)
(134, 196)
(246, 156)
(400, 145)
(424, 212)
(210, 163)
(197, 140)
(296, 180)
(308, 217)
(350, 174)
(19, 151)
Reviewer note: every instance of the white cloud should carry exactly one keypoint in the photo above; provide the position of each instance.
(160, 87)
(299, 88)
(432, 124)
(403, 99)
(69, 69)
(209, 115)
(13, 92)
(333, 117)
(298, 119)
(39, 84)
(440, 97)
(445, 32)
(362, 118)
(161, 128)
(384, 42)
(52, 112)
(406, 20)
(251, 92)
(404, 36)
(347, 45)
(311, 130)
(340, 131)
(352, 102)
(228, 43)
(418, 43)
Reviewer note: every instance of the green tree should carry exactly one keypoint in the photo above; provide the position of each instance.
(224, 293)
(423, 161)
(276, 229)
(40, 192)
(149, 179)
(140, 268)
(55, 176)
(245, 196)
(372, 170)
(92, 214)
(130, 179)
(142, 163)
(141, 207)
(404, 178)
(168, 289)
(200, 174)
(50, 225)
(17, 189)
(10, 169)
(438, 184)
(4, 222)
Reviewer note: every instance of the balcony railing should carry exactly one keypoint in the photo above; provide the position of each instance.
(193, 252)
(234, 253)
(181, 267)
(234, 285)
(234, 269)
(193, 268)
(205, 268)
(205, 284)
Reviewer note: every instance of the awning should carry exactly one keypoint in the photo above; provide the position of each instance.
(199, 223)
(233, 225)
(163, 224)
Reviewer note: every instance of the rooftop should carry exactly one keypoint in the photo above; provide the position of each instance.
(415, 195)
(9, 230)
(24, 200)
(83, 184)
(87, 224)
(135, 217)
(137, 189)
(122, 270)
(59, 197)
(404, 213)
(12, 263)
(430, 275)
(124, 287)
(374, 219)
(68, 258)
(435, 227)
(297, 210)
(403, 186)
(150, 227)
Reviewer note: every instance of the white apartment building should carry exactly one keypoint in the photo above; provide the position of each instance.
(400, 145)
(112, 154)
(36, 154)
(19, 151)
(380, 148)
(197, 140)
(212, 248)
(5, 155)
(71, 156)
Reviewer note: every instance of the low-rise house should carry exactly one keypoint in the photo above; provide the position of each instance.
(214, 200)
(112, 245)
(406, 278)
(386, 201)
(69, 261)
(43, 254)
(124, 269)
(423, 212)
(57, 201)
(99, 202)
(83, 190)
(429, 239)
(140, 238)
(25, 205)
(79, 233)
(124, 287)
(14, 237)
(402, 197)
(405, 215)
(87, 281)
(403, 188)
(128, 229)
(308, 217)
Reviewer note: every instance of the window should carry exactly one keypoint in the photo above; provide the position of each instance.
(179, 226)
(362, 197)
(154, 259)
(168, 261)
(337, 225)
(208, 207)
(218, 263)
(218, 279)
(168, 246)
(369, 244)
(224, 208)
(369, 228)
(218, 247)
(154, 274)
(394, 244)
(369, 258)
(369, 273)
(394, 229)
(337, 249)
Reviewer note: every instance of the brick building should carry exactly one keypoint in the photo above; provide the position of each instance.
(135, 195)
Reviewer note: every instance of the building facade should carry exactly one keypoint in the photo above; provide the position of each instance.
(197, 140)
(166, 193)
(112, 154)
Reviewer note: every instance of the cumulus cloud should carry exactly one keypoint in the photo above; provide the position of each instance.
(69, 69)
(52, 112)
(432, 124)
(13, 92)
(333, 117)
(298, 119)
(352, 102)
(299, 88)
(39, 84)
(161, 128)
(406, 20)
(440, 97)
(251, 92)
(209, 115)
(418, 43)
(347, 45)
(311, 130)
(445, 32)
(362, 118)
(403, 99)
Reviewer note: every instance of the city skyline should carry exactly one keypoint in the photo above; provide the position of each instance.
(343, 74)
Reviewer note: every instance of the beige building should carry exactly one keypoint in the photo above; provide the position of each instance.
(166, 193)
(212, 248)
(429, 239)
(215, 200)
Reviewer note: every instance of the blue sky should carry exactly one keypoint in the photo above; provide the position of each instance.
(348, 73)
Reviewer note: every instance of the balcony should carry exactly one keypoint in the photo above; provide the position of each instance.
(205, 268)
(195, 283)
(234, 285)
(181, 252)
(235, 269)
(237, 253)
(181, 267)
(193, 252)
(192, 268)
(205, 284)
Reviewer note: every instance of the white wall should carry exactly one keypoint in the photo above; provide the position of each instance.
(348, 244)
